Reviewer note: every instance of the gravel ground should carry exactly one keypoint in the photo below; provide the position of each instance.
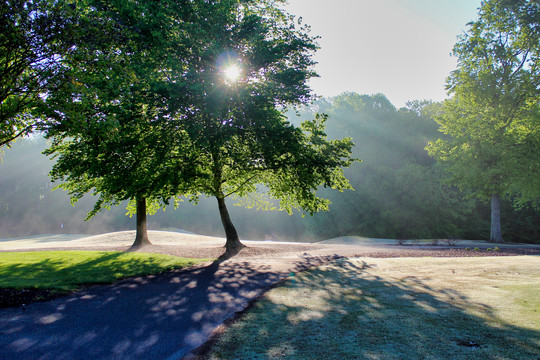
(18, 297)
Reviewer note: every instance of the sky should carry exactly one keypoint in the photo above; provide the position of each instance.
(401, 48)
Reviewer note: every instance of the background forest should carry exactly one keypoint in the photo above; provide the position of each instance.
(400, 192)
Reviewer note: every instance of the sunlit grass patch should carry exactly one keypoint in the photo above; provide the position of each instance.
(68, 270)
(395, 309)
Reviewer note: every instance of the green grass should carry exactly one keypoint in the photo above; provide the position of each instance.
(65, 271)
(423, 308)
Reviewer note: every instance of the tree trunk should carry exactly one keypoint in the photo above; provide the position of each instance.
(141, 239)
(233, 244)
(496, 234)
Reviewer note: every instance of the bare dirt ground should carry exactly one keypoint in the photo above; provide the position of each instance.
(206, 247)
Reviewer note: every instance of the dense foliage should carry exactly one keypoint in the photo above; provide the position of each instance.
(493, 119)
(112, 132)
(147, 112)
(399, 193)
(236, 123)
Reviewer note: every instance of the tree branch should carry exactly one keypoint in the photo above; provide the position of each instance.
(241, 185)
(21, 133)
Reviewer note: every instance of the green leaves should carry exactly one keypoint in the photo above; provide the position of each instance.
(239, 129)
(34, 36)
(146, 111)
(112, 132)
(490, 121)
(496, 90)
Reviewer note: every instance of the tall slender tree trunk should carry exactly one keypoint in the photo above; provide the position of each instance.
(496, 233)
(233, 244)
(141, 238)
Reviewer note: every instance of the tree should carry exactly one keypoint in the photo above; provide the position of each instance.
(34, 36)
(237, 122)
(492, 121)
(112, 133)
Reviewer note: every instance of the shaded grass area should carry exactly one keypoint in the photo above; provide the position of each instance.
(41, 275)
(466, 308)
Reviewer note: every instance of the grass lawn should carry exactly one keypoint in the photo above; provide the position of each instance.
(404, 308)
(65, 271)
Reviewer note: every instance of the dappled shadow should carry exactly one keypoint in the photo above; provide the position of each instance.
(153, 317)
(355, 314)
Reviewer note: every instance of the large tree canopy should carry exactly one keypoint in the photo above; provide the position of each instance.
(113, 134)
(151, 110)
(492, 120)
(237, 122)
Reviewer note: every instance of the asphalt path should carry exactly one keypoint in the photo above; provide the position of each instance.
(161, 317)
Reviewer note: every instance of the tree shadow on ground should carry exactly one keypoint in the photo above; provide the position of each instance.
(160, 316)
(345, 311)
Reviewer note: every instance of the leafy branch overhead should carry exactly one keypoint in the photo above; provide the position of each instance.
(34, 36)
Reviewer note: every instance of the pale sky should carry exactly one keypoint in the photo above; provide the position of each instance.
(400, 48)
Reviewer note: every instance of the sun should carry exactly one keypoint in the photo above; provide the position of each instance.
(232, 73)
